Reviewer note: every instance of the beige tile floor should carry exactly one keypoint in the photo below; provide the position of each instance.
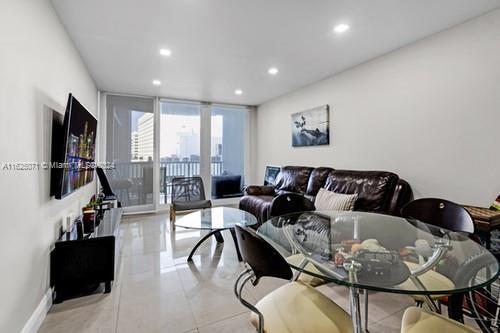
(158, 291)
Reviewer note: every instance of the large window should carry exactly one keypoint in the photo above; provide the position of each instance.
(227, 151)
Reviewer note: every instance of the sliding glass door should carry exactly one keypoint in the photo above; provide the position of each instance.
(179, 143)
(130, 146)
(153, 140)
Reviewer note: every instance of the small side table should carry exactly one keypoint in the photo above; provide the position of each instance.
(485, 220)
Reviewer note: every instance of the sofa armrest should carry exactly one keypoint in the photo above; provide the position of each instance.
(260, 190)
(402, 195)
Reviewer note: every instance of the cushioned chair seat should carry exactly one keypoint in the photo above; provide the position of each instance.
(417, 321)
(431, 280)
(299, 308)
(191, 205)
(304, 277)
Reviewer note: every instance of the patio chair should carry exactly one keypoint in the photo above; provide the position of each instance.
(188, 193)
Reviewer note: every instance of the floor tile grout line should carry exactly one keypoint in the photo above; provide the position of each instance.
(120, 294)
(224, 319)
(390, 315)
(187, 300)
(211, 322)
(190, 308)
(383, 318)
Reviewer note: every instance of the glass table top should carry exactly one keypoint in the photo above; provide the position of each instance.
(380, 252)
(216, 218)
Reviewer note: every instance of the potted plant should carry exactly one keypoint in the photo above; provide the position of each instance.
(91, 214)
(93, 204)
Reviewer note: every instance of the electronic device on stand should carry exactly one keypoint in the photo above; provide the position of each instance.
(108, 198)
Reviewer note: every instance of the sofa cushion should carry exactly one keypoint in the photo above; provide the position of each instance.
(327, 200)
(317, 180)
(293, 179)
(374, 188)
(259, 206)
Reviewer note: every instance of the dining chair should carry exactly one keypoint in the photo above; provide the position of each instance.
(441, 213)
(188, 193)
(294, 203)
(293, 308)
(482, 305)
(416, 320)
(289, 203)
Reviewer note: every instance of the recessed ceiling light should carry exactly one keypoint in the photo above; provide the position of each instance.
(238, 92)
(165, 52)
(341, 28)
(156, 82)
(273, 71)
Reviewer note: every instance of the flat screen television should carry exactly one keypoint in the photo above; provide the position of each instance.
(77, 153)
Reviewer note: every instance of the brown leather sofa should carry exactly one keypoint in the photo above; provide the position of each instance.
(378, 191)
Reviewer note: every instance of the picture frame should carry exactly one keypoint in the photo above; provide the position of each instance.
(311, 127)
(271, 174)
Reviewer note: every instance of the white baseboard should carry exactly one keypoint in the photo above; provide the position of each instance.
(37, 317)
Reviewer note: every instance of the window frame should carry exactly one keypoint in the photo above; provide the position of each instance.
(205, 146)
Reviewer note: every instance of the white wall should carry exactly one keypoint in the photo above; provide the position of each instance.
(429, 112)
(39, 66)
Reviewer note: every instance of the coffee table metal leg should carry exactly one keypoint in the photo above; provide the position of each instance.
(233, 234)
(215, 233)
(218, 236)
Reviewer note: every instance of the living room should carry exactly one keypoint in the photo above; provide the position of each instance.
(341, 154)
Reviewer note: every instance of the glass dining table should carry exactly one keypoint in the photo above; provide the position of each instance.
(368, 251)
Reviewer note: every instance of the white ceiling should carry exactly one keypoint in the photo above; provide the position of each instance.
(221, 45)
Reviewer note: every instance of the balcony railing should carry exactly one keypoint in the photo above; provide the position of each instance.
(133, 181)
(136, 170)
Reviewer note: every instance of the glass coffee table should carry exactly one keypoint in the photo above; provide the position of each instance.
(216, 220)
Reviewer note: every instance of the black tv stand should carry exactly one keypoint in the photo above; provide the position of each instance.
(78, 265)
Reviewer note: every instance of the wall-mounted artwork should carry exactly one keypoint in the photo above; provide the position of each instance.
(311, 127)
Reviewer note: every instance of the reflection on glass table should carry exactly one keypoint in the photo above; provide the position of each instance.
(216, 220)
(380, 252)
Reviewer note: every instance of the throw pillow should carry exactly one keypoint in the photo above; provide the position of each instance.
(328, 200)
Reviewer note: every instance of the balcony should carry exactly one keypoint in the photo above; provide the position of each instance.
(133, 181)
